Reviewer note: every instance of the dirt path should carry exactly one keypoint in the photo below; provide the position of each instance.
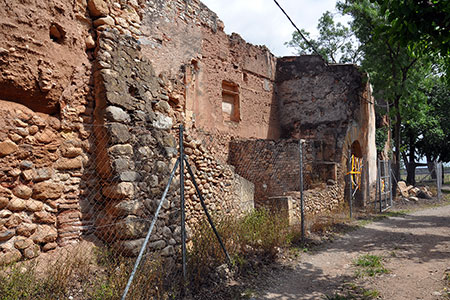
(415, 247)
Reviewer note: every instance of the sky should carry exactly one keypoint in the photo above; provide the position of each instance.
(261, 22)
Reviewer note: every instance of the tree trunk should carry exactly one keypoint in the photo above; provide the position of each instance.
(411, 166)
(397, 141)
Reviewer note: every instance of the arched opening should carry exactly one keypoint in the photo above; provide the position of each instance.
(356, 149)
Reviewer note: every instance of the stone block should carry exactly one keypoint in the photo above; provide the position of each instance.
(98, 8)
(162, 121)
(26, 164)
(5, 214)
(120, 190)
(14, 221)
(168, 251)
(10, 257)
(22, 191)
(44, 217)
(121, 164)
(129, 176)
(71, 152)
(28, 175)
(69, 216)
(33, 205)
(32, 251)
(157, 245)
(23, 243)
(46, 136)
(121, 150)
(6, 234)
(49, 246)
(3, 202)
(118, 133)
(47, 191)
(16, 204)
(104, 21)
(7, 147)
(129, 247)
(69, 163)
(125, 208)
(116, 114)
(44, 234)
(131, 227)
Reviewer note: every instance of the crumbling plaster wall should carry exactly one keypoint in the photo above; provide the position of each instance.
(330, 103)
(95, 91)
(46, 103)
(185, 37)
(88, 133)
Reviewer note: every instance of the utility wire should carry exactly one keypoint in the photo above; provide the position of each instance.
(314, 49)
(300, 33)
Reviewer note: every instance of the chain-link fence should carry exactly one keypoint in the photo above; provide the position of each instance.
(104, 185)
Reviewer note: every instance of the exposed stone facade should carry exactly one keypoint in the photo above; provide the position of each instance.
(92, 94)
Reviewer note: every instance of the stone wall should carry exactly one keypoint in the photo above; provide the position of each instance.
(274, 168)
(91, 97)
(45, 106)
(332, 104)
(43, 163)
(186, 39)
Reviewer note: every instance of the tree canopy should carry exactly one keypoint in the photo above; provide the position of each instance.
(404, 59)
(423, 24)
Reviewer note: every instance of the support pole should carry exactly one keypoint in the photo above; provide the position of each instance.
(182, 203)
(147, 237)
(202, 202)
(302, 205)
(390, 183)
(379, 186)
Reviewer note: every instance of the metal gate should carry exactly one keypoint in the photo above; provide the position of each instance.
(355, 165)
(384, 186)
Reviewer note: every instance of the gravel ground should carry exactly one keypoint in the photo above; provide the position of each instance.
(415, 248)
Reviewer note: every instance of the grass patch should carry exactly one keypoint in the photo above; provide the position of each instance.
(370, 265)
(83, 272)
(255, 236)
(351, 291)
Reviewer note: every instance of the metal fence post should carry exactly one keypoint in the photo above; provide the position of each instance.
(183, 217)
(147, 237)
(302, 206)
(390, 183)
(380, 196)
(208, 216)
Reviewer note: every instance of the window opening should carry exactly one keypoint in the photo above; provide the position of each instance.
(230, 101)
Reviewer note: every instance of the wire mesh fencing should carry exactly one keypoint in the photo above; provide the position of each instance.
(83, 198)
(293, 178)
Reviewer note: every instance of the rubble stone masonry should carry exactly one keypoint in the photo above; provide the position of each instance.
(92, 94)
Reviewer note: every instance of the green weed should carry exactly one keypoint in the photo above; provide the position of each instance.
(370, 265)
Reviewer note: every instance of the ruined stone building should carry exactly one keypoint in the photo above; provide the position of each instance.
(92, 93)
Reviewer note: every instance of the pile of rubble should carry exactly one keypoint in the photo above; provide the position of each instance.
(412, 193)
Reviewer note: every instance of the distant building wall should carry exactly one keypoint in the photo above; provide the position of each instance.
(332, 104)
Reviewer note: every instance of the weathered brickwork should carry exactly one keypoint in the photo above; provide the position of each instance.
(274, 167)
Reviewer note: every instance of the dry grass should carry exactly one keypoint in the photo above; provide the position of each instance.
(83, 271)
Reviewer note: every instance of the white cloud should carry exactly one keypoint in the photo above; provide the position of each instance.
(261, 22)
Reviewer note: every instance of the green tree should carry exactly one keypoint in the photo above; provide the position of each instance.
(336, 42)
(420, 24)
(393, 68)
(435, 140)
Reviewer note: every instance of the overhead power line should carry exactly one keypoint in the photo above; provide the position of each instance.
(300, 33)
